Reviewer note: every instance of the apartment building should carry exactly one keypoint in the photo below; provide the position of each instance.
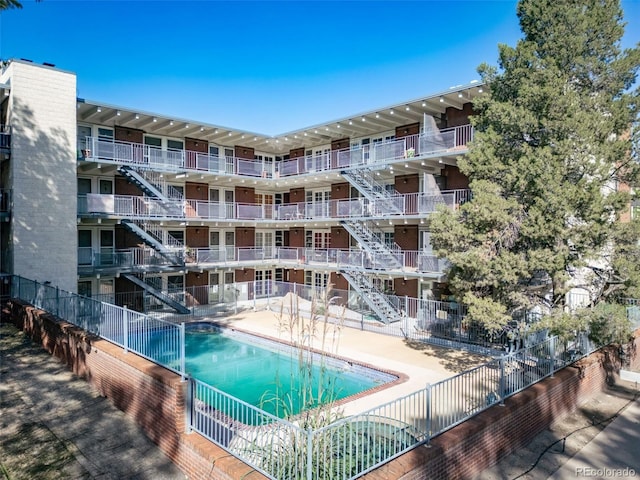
(109, 200)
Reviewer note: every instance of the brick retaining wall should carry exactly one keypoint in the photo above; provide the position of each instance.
(466, 450)
(154, 397)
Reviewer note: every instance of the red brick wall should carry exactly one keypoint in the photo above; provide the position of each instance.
(193, 145)
(197, 237)
(245, 195)
(406, 130)
(244, 152)
(296, 237)
(296, 195)
(151, 396)
(123, 187)
(199, 295)
(339, 238)
(125, 134)
(455, 178)
(196, 191)
(407, 183)
(245, 237)
(340, 191)
(457, 117)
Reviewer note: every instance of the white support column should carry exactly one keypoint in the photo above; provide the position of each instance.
(43, 228)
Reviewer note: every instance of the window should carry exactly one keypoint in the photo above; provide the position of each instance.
(175, 283)
(389, 239)
(84, 288)
(175, 144)
(83, 133)
(84, 186)
(106, 186)
(153, 141)
(105, 133)
(279, 238)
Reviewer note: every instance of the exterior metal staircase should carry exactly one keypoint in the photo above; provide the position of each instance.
(363, 180)
(152, 184)
(377, 301)
(163, 297)
(389, 256)
(171, 248)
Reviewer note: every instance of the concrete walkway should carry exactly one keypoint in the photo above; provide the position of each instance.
(613, 453)
(53, 425)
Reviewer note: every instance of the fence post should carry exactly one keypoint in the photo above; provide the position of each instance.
(309, 454)
(428, 413)
(57, 301)
(552, 355)
(125, 329)
(182, 352)
(188, 407)
(503, 387)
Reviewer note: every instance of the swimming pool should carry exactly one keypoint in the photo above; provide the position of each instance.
(257, 371)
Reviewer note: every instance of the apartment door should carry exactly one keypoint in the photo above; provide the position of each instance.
(229, 160)
(82, 142)
(214, 287)
(265, 240)
(230, 291)
(266, 200)
(215, 252)
(230, 245)
(318, 203)
(229, 204)
(106, 290)
(263, 283)
(85, 251)
(107, 244)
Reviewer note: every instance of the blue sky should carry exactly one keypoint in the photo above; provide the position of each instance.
(263, 66)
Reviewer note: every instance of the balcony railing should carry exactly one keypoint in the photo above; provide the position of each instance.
(146, 156)
(91, 259)
(131, 206)
(136, 259)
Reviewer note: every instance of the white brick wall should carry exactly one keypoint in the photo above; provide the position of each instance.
(43, 174)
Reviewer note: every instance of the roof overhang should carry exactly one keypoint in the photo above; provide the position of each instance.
(360, 125)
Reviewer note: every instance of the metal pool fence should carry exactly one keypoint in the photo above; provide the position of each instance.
(332, 447)
(155, 339)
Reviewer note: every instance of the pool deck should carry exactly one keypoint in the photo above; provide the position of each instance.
(418, 363)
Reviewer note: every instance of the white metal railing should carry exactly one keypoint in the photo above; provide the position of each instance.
(396, 205)
(406, 261)
(99, 149)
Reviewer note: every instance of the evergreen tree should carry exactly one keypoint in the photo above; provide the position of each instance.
(548, 168)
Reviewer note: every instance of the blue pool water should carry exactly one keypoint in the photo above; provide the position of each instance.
(257, 370)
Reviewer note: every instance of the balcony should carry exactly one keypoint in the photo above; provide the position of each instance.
(113, 261)
(412, 262)
(448, 141)
(405, 205)
(110, 260)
